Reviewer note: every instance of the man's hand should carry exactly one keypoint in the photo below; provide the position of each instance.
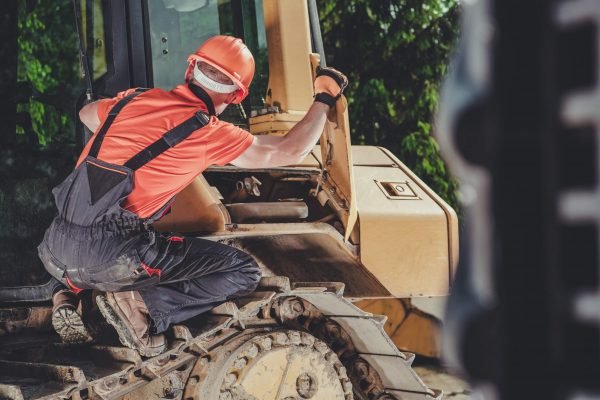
(329, 85)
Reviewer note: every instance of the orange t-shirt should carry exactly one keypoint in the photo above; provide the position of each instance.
(144, 120)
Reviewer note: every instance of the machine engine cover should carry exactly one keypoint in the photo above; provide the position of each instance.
(408, 234)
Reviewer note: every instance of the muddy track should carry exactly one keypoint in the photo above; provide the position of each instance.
(373, 368)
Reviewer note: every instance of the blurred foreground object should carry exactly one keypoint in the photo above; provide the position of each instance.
(519, 125)
(347, 223)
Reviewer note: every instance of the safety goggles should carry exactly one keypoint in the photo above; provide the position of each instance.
(211, 84)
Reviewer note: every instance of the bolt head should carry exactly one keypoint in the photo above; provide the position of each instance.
(307, 385)
(298, 307)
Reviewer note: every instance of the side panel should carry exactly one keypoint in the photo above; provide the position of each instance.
(408, 235)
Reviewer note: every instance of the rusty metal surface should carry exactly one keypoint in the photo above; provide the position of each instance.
(43, 370)
(13, 320)
(12, 392)
(358, 341)
(271, 364)
(316, 257)
(41, 380)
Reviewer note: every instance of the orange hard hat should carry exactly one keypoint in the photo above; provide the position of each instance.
(229, 55)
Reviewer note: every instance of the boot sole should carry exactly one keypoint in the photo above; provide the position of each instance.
(68, 324)
(118, 321)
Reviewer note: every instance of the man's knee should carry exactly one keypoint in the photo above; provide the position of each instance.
(248, 275)
(253, 273)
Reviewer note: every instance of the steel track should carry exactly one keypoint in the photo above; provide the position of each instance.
(375, 368)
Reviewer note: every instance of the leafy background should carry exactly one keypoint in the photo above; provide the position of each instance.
(44, 38)
(395, 54)
(40, 84)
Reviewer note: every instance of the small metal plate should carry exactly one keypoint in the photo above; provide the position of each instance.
(398, 190)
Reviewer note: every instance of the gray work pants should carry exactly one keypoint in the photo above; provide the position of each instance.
(178, 277)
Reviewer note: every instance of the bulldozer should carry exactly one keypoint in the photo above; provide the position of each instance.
(348, 226)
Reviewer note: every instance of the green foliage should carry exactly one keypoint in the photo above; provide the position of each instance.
(395, 54)
(46, 36)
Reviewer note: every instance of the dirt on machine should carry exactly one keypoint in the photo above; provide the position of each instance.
(349, 225)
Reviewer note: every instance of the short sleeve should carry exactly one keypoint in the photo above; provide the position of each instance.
(105, 105)
(227, 144)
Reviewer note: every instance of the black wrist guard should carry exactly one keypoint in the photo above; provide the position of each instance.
(326, 99)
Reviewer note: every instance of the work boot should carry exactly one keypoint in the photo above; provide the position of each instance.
(66, 320)
(128, 314)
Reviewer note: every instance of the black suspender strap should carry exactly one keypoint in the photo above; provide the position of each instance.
(202, 95)
(168, 140)
(110, 119)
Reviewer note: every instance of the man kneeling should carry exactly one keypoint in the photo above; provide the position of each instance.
(149, 145)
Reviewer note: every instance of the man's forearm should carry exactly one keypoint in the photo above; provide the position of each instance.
(301, 139)
(270, 151)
